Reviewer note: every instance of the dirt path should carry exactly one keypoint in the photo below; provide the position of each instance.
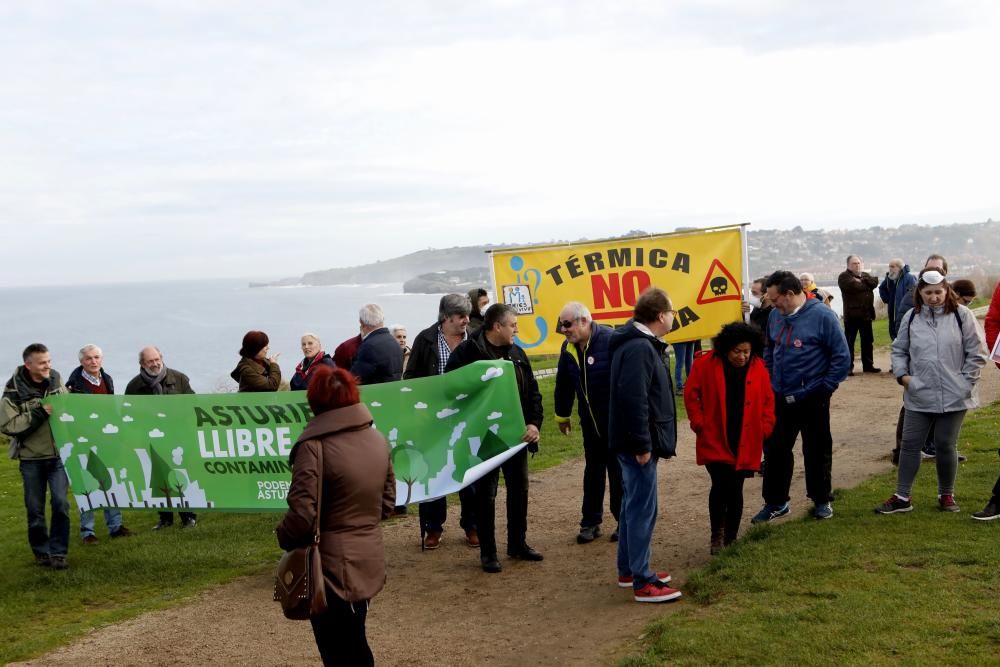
(439, 607)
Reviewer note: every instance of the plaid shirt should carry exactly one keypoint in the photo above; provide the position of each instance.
(444, 351)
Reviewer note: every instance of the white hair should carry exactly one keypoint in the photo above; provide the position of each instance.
(88, 348)
(371, 315)
(805, 275)
(578, 311)
(396, 327)
(310, 334)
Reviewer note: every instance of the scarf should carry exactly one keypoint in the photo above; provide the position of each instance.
(307, 367)
(154, 382)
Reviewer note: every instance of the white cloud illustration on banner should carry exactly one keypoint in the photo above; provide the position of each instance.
(94, 415)
(160, 414)
(66, 417)
(393, 434)
(127, 405)
(375, 404)
(178, 455)
(109, 428)
(82, 439)
(156, 433)
(461, 396)
(447, 412)
(420, 406)
(491, 373)
(405, 389)
(126, 418)
(494, 415)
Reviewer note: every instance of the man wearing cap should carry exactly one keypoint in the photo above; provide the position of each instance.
(155, 379)
(857, 288)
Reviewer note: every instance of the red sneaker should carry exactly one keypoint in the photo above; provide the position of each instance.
(626, 582)
(947, 503)
(656, 592)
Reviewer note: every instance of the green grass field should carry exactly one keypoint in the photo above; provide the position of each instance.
(861, 589)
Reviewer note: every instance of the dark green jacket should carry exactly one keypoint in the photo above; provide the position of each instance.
(23, 417)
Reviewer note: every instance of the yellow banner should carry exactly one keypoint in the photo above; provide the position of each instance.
(700, 270)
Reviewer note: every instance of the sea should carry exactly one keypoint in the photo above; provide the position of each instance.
(198, 324)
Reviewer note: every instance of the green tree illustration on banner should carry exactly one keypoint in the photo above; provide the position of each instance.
(99, 471)
(410, 467)
(160, 477)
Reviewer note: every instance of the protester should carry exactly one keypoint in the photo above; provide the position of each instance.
(857, 289)
(89, 378)
(256, 371)
(584, 372)
(431, 350)
(809, 284)
(992, 509)
(905, 302)
(398, 332)
(937, 357)
(155, 379)
(25, 420)
(313, 358)
(379, 357)
(495, 340)
(730, 406)
(480, 299)
(344, 354)
(683, 359)
(895, 287)
(762, 306)
(642, 428)
(359, 489)
(807, 359)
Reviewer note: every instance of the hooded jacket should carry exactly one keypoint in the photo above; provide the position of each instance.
(77, 384)
(642, 416)
(257, 376)
(23, 417)
(586, 375)
(898, 296)
(705, 400)
(944, 360)
(359, 489)
(807, 352)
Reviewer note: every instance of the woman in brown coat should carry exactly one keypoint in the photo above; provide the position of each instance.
(257, 371)
(359, 489)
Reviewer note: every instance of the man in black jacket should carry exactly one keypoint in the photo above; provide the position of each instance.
(642, 428)
(431, 349)
(495, 340)
(379, 358)
(857, 289)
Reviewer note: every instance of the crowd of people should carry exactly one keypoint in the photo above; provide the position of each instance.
(765, 382)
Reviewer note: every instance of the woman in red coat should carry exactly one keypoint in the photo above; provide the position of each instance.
(731, 409)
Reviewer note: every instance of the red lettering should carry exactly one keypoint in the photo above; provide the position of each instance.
(609, 289)
(635, 283)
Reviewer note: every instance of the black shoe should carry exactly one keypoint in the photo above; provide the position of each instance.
(525, 553)
(588, 534)
(163, 524)
(189, 523)
(873, 370)
(58, 562)
(121, 532)
(491, 564)
(42, 560)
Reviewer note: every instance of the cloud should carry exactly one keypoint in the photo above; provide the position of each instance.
(178, 455)
(461, 396)
(393, 434)
(375, 404)
(491, 373)
(160, 414)
(109, 428)
(156, 433)
(94, 415)
(494, 415)
(456, 433)
(405, 389)
(82, 439)
(126, 418)
(64, 417)
(420, 406)
(127, 405)
(447, 412)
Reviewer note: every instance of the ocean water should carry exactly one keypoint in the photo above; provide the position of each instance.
(198, 325)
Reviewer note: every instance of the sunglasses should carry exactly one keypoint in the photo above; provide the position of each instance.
(566, 324)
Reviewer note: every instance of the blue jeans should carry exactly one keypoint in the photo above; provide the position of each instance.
(112, 517)
(682, 365)
(37, 475)
(638, 518)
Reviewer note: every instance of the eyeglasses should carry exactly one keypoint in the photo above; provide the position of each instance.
(566, 324)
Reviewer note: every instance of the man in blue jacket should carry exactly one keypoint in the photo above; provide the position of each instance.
(896, 288)
(642, 427)
(584, 373)
(808, 358)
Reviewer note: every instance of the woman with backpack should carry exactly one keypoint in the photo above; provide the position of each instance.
(937, 357)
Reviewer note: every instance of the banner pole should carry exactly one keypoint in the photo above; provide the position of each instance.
(746, 267)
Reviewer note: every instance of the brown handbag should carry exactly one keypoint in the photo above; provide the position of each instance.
(298, 581)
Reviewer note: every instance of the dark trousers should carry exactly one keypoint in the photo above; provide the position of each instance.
(340, 632)
(811, 418)
(40, 476)
(601, 463)
(434, 513)
(725, 500)
(167, 518)
(928, 445)
(515, 477)
(854, 326)
(996, 490)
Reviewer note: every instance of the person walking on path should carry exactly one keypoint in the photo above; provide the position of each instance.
(25, 420)
(584, 373)
(857, 290)
(730, 406)
(89, 378)
(642, 428)
(807, 359)
(937, 357)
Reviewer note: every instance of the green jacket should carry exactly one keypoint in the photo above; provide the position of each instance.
(22, 416)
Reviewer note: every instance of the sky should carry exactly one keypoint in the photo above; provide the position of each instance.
(168, 139)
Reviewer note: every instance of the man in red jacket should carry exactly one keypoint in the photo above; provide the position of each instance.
(992, 509)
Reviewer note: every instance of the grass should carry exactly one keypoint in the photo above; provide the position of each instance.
(912, 589)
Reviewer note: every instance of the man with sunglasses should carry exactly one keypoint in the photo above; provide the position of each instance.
(584, 371)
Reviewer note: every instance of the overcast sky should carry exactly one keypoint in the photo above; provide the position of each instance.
(190, 138)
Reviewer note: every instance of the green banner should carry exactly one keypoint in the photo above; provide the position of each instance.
(230, 451)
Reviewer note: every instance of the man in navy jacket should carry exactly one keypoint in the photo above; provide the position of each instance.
(807, 357)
